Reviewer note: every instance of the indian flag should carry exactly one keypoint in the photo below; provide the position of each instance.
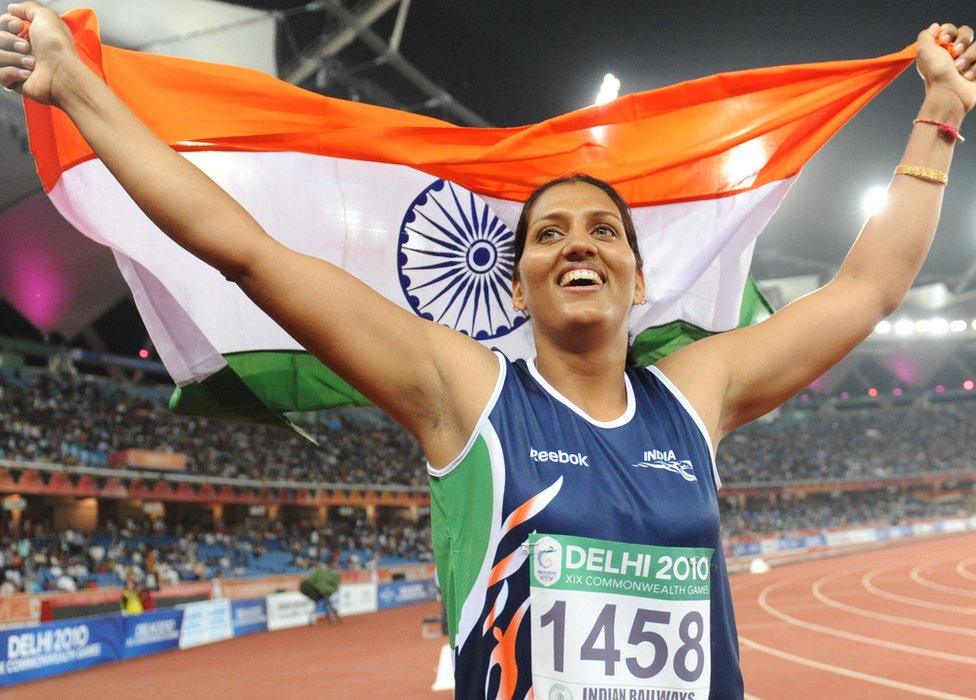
(423, 211)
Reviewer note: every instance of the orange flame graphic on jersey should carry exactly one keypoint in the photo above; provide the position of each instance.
(503, 655)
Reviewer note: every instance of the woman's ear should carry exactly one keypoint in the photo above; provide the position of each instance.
(640, 292)
(518, 299)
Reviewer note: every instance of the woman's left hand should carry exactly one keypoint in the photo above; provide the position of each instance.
(938, 68)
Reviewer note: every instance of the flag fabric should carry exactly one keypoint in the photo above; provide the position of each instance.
(423, 211)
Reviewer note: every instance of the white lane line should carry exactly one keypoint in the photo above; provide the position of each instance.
(908, 600)
(963, 571)
(850, 673)
(895, 619)
(915, 576)
(873, 641)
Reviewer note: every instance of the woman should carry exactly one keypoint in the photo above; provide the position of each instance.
(601, 476)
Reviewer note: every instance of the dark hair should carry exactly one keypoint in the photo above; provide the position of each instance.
(522, 227)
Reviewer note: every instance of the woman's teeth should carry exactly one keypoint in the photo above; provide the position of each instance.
(580, 275)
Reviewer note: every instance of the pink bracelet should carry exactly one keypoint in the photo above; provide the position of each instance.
(948, 131)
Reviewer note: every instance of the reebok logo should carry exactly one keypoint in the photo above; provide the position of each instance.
(666, 460)
(559, 457)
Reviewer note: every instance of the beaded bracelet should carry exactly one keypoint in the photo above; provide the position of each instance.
(939, 177)
(950, 132)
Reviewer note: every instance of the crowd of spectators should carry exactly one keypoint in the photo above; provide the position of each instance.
(65, 418)
(853, 444)
(70, 419)
(42, 558)
(832, 511)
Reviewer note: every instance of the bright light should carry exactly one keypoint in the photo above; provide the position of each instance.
(938, 326)
(872, 392)
(974, 324)
(904, 327)
(845, 395)
(968, 385)
(883, 327)
(939, 388)
(958, 326)
(874, 201)
(742, 163)
(144, 354)
(609, 89)
(923, 325)
(897, 391)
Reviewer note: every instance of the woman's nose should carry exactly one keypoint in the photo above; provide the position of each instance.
(579, 244)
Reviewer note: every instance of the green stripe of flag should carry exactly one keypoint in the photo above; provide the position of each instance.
(262, 386)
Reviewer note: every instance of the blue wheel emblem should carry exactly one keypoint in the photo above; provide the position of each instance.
(455, 258)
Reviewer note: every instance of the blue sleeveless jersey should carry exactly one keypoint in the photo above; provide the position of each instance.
(538, 463)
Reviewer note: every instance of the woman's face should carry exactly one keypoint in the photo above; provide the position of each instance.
(578, 270)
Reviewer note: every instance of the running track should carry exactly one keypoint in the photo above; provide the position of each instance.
(892, 623)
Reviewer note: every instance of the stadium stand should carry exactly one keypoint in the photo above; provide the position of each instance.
(42, 559)
(74, 419)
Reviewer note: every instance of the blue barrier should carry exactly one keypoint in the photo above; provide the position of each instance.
(397, 593)
(59, 647)
(152, 632)
(248, 616)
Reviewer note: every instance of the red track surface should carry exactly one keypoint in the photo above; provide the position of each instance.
(892, 623)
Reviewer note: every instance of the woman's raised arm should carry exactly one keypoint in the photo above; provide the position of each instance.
(737, 376)
(431, 379)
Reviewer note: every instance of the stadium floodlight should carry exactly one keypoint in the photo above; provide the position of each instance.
(874, 201)
(873, 392)
(609, 89)
(968, 385)
(958, 326)
(883, 327)
(897, 391)
(904, 327)
(938, 326)
(923, 325)
(974, 324)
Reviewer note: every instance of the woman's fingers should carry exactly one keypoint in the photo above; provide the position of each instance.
(18, 60)
(947, 32)
(12, 78)
(11, 42)
(964, 38)
(967, 55)
(14, 25)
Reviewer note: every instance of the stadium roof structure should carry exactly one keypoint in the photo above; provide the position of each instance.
(508, 63)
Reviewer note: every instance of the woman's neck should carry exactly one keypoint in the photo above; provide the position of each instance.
(591, 377)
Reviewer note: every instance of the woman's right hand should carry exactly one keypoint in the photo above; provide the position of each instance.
(33, 65)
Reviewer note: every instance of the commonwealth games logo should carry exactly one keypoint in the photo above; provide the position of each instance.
(557, 691)
(455, 260)
(547, 559)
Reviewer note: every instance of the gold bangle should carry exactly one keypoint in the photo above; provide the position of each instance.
(939, 177)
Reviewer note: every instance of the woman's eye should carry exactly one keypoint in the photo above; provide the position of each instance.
(605, 230)
(547, 234)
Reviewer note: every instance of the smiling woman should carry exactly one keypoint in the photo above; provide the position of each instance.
(570, 451)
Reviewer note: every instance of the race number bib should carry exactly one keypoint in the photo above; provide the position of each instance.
(613, 620)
